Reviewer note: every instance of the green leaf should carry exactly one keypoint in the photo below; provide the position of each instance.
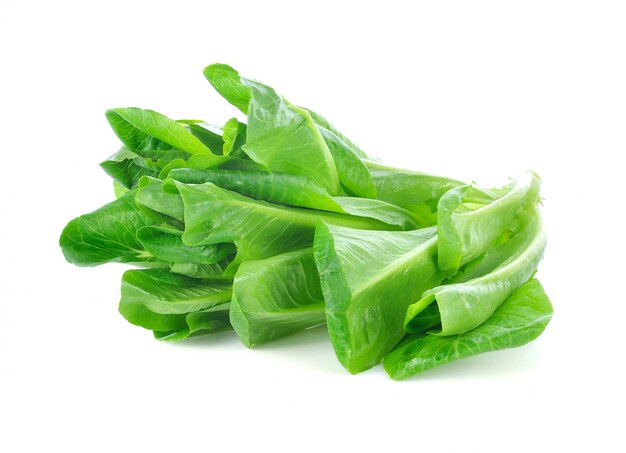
(160, 157)
(209, 161)
(470, 218)
(119, 189)
(133, 137)
(464, 306)
(240, 92)
(234, 138)
(379, 210)
(127, 167)
(417, 192)
(505, 246)
(227, 83)
(323, 123)
(165, 243)
(159, 300)
(231, 86)
(276, 297)
(519, 320)
(295, 190)
(353, 173)
(203, 322)
(209, 135)
(215, 271)
(259, 229)
(160, 205)
(282, 188)
(284, 138)
(146, 129)
(107, 235)
(369, 278)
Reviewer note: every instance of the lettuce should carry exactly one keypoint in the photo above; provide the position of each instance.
(281, 223)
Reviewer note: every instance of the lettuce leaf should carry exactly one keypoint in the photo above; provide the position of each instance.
(519, 320)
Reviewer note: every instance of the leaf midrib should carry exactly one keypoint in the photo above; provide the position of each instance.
(312, 216)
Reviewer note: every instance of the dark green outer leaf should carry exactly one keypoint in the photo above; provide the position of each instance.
(519, 320)
(133, 137)
(145, 129)
(166, 244)
(163, 292)
(141, 316)
(107, 235)
(159, 300)
(127, 167)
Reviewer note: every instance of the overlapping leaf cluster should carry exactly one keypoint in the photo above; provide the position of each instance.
(281, 223)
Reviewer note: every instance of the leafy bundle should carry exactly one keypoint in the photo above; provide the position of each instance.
(282, 223)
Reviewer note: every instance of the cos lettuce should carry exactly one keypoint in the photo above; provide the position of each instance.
(280, 223)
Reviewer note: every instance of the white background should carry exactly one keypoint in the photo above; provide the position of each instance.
(472, 90)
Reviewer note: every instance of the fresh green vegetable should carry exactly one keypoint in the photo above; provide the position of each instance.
(519, 320)
(280, 223)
